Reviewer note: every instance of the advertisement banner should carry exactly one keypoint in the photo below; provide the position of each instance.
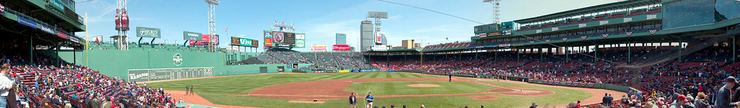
(341, 47)
(378, 38)
(148, 32)
(268, 42)
(289, 38)
(235, 41)
(46, 29)
(318, 48)
(245, 42)
(62, 35)
(193, 36)
(27, 22)
(300, 40)
(255, 43)
(57, 4)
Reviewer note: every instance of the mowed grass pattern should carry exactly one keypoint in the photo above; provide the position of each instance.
(232, 90)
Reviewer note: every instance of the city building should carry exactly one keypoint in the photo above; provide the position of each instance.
(341, 38)
(408, 44)
(366, 35)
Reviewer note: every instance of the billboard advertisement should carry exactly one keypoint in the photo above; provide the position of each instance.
(148, 32)
(300, 40)
(235, 41)
(255, 43)
(186, 35)
(268, 39)
(318, 48)
(341, 47)
(204, 40)
(378, 38)
(289, 38)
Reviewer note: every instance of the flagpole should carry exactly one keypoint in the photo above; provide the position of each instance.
(87, 40)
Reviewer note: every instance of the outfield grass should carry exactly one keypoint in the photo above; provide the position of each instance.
(232, 90)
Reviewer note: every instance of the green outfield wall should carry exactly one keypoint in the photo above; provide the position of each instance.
(117, 63)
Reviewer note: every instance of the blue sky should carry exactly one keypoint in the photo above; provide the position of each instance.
(319, 19)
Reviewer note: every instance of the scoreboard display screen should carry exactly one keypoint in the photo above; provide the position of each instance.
(289, 38)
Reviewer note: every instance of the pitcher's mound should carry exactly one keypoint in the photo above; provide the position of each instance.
(423, 85)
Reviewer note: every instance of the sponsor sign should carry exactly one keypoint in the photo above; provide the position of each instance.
(186, 35)
(318, 48)
(289, 38)
(245, 42)
(378, 38)
(57, 4)
(148, 32)
(235, 41)
(62, 35)
(268, 42)
(341, 47)
(255, 43)
(27, 22)
(46, 29)
(300, 40)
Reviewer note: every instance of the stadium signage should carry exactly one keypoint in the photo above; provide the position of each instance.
(46, 29)
(247, 42)
(27, 22)
(177, 59)
(148, 32)
(244, 42)
(74, 39)
(62, 35)
(57, 4)
(255, 43)
(300, 40)
(277, 37)
(191, 36)
(235, 41)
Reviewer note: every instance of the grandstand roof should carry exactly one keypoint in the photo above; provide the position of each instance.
(608, 6)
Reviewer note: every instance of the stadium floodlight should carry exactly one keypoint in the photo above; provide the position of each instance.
(212, 22)
(377, 16)
(374, 14)
(496, 10)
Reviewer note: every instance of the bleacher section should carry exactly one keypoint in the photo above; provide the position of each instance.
(319, 60)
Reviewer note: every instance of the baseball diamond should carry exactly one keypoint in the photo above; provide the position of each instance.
(369, 53)
(390, 88)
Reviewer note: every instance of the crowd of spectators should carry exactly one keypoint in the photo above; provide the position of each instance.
(660, 84)
(69, 86)
(319, 60)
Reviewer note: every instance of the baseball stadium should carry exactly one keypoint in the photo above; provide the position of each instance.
(611, 54)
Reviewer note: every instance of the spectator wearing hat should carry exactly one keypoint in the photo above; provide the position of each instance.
(723, 96)
(701, 101)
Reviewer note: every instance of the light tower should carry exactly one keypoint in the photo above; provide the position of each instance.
(496, 10)
(212, 22)
(122, 27)
(378, 16)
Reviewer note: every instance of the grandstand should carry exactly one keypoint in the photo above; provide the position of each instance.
(320, 61)
(657, 47)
